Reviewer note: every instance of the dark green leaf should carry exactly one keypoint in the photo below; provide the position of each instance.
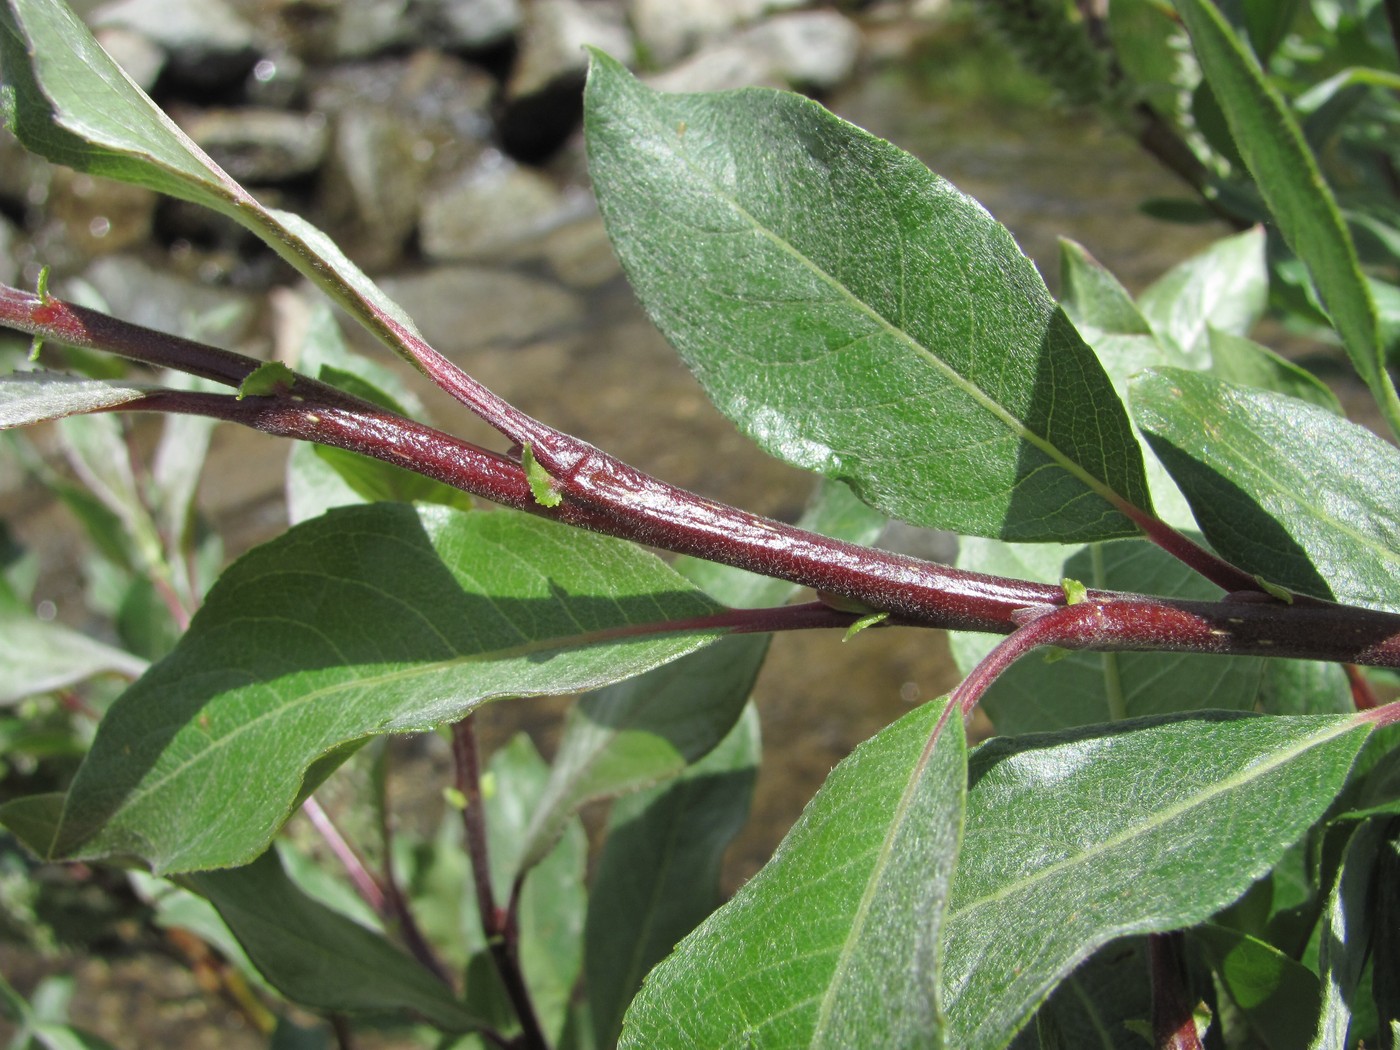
(1077, 838)
(834, 942)
(1095, 1006)
(658, 875)
(856, 315)
(318, 957)
(1304, 687)
(1346, 936)
(1278, 997)
(1086, 687)
(1287, 174)
(367, 620)
(33, 397)
(1280, 487)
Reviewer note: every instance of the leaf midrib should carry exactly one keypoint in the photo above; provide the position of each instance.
(984, 400)
(1158, 819)
(142, 792)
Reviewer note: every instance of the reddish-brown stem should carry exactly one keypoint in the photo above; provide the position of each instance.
(395, 902)
(1362, 695)
(1220, 572)
(1173, 1015)
(364, 883)
(502, 939)
(602, 494)
(913, 591)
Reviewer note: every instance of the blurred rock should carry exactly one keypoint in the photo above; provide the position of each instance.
(89, 217)
(140, 57)
(544, 96)
(553, 41)
(397, 126)
(669, 30)
(470, 25)
(494, 210)
(809, 49)
(260, 146)
(464, 308)
(369, 27)
(816, 50)
(143, 295)
(277, 81)
(208, 44)
(9, 262)
(580, 254)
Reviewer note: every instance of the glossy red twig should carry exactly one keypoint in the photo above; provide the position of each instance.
(603, 495)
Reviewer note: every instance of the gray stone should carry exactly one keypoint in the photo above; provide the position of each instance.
(808, 49)
(671, 29)
(261, 145)
(206, 39)
(464, 308)
(369, 27)
(553, 41)
(494, 211)
(89, 217)
(580, 254)
(140, 57)
(398, 126)
(142, 295)
(815, 49)
(372, 184)
(471, 25)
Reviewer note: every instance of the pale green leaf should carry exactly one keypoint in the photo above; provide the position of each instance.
(33, 397)
(658, 875)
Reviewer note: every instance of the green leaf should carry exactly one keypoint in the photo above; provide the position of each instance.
(1279, 998)
(1346, 935)
(1095, 1006)
(541, 484)
(835, 942)
(856, 315)
(1304, 687)
(33, 397)
(1280, 487)
(1247, 363)
(1225, 288)
(367, 620)
(658, 875)
(319, 957)
(1086, 687)
(37, 656)
(1288, 177)
(271, 377)
(1077, 838)
(1092, 296)
(553, 902)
